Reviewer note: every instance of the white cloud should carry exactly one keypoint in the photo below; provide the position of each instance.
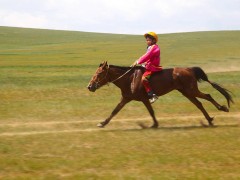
(22, 19)
(125, 16)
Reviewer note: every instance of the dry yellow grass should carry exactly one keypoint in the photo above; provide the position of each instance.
(48, 118)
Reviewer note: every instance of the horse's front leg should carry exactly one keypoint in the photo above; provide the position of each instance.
(151, 112)
(115, 111)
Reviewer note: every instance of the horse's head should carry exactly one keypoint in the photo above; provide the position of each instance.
(99, 78)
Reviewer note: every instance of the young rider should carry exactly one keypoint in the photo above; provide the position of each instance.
(152, 63)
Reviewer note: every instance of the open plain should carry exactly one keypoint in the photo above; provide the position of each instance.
(48, 117)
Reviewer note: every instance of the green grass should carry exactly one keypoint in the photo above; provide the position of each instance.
(48, 117)
(166, 153)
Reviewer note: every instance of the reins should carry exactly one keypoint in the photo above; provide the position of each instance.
(121, 75)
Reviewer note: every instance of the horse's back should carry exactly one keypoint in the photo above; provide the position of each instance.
(174, 78)
(167, 80)
(163, 73)
(162, 82)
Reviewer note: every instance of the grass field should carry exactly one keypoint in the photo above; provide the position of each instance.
(48, 118)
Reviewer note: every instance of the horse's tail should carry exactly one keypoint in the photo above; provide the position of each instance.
(201, 75)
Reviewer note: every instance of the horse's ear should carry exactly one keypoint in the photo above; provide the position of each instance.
(103, 64)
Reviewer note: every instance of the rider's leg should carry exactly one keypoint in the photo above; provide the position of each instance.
(145, 80)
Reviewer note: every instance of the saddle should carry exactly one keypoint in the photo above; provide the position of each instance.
(136, 83)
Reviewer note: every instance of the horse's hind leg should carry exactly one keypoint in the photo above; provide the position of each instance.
(199, 105)
(209, 98)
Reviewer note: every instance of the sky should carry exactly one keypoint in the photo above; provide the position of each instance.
(122, 16)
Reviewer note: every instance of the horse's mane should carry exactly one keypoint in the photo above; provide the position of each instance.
(126, 68)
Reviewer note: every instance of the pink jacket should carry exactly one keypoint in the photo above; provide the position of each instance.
(151, 58)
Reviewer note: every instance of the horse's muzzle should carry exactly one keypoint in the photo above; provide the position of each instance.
(91, 88)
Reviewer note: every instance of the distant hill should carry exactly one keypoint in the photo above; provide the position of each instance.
(215, 51)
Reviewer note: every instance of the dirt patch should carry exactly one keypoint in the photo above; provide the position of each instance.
(133, 121)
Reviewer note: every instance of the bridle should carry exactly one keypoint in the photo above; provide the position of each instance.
(99, 81)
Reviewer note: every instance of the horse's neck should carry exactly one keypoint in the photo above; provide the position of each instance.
(117, 76)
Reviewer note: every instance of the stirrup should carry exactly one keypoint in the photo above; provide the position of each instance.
(153, 99)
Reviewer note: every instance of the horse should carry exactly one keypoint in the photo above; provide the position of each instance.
(184, 80)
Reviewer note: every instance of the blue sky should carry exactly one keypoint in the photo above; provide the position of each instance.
(122, 16)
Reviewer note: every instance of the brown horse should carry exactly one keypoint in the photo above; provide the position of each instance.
(128, 79)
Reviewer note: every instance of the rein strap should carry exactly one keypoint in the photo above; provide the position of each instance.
(121, 75)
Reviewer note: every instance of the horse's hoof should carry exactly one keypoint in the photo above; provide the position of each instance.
(211, 124)
(224, 108)
(155, 126)
(205, 125)
(100, 125)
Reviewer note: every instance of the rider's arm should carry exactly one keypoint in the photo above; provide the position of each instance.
(147, 56)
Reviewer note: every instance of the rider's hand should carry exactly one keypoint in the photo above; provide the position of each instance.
(134, 64)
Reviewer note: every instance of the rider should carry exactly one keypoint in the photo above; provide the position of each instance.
(152, 63)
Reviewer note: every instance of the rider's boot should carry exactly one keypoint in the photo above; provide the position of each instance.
(152, 97)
